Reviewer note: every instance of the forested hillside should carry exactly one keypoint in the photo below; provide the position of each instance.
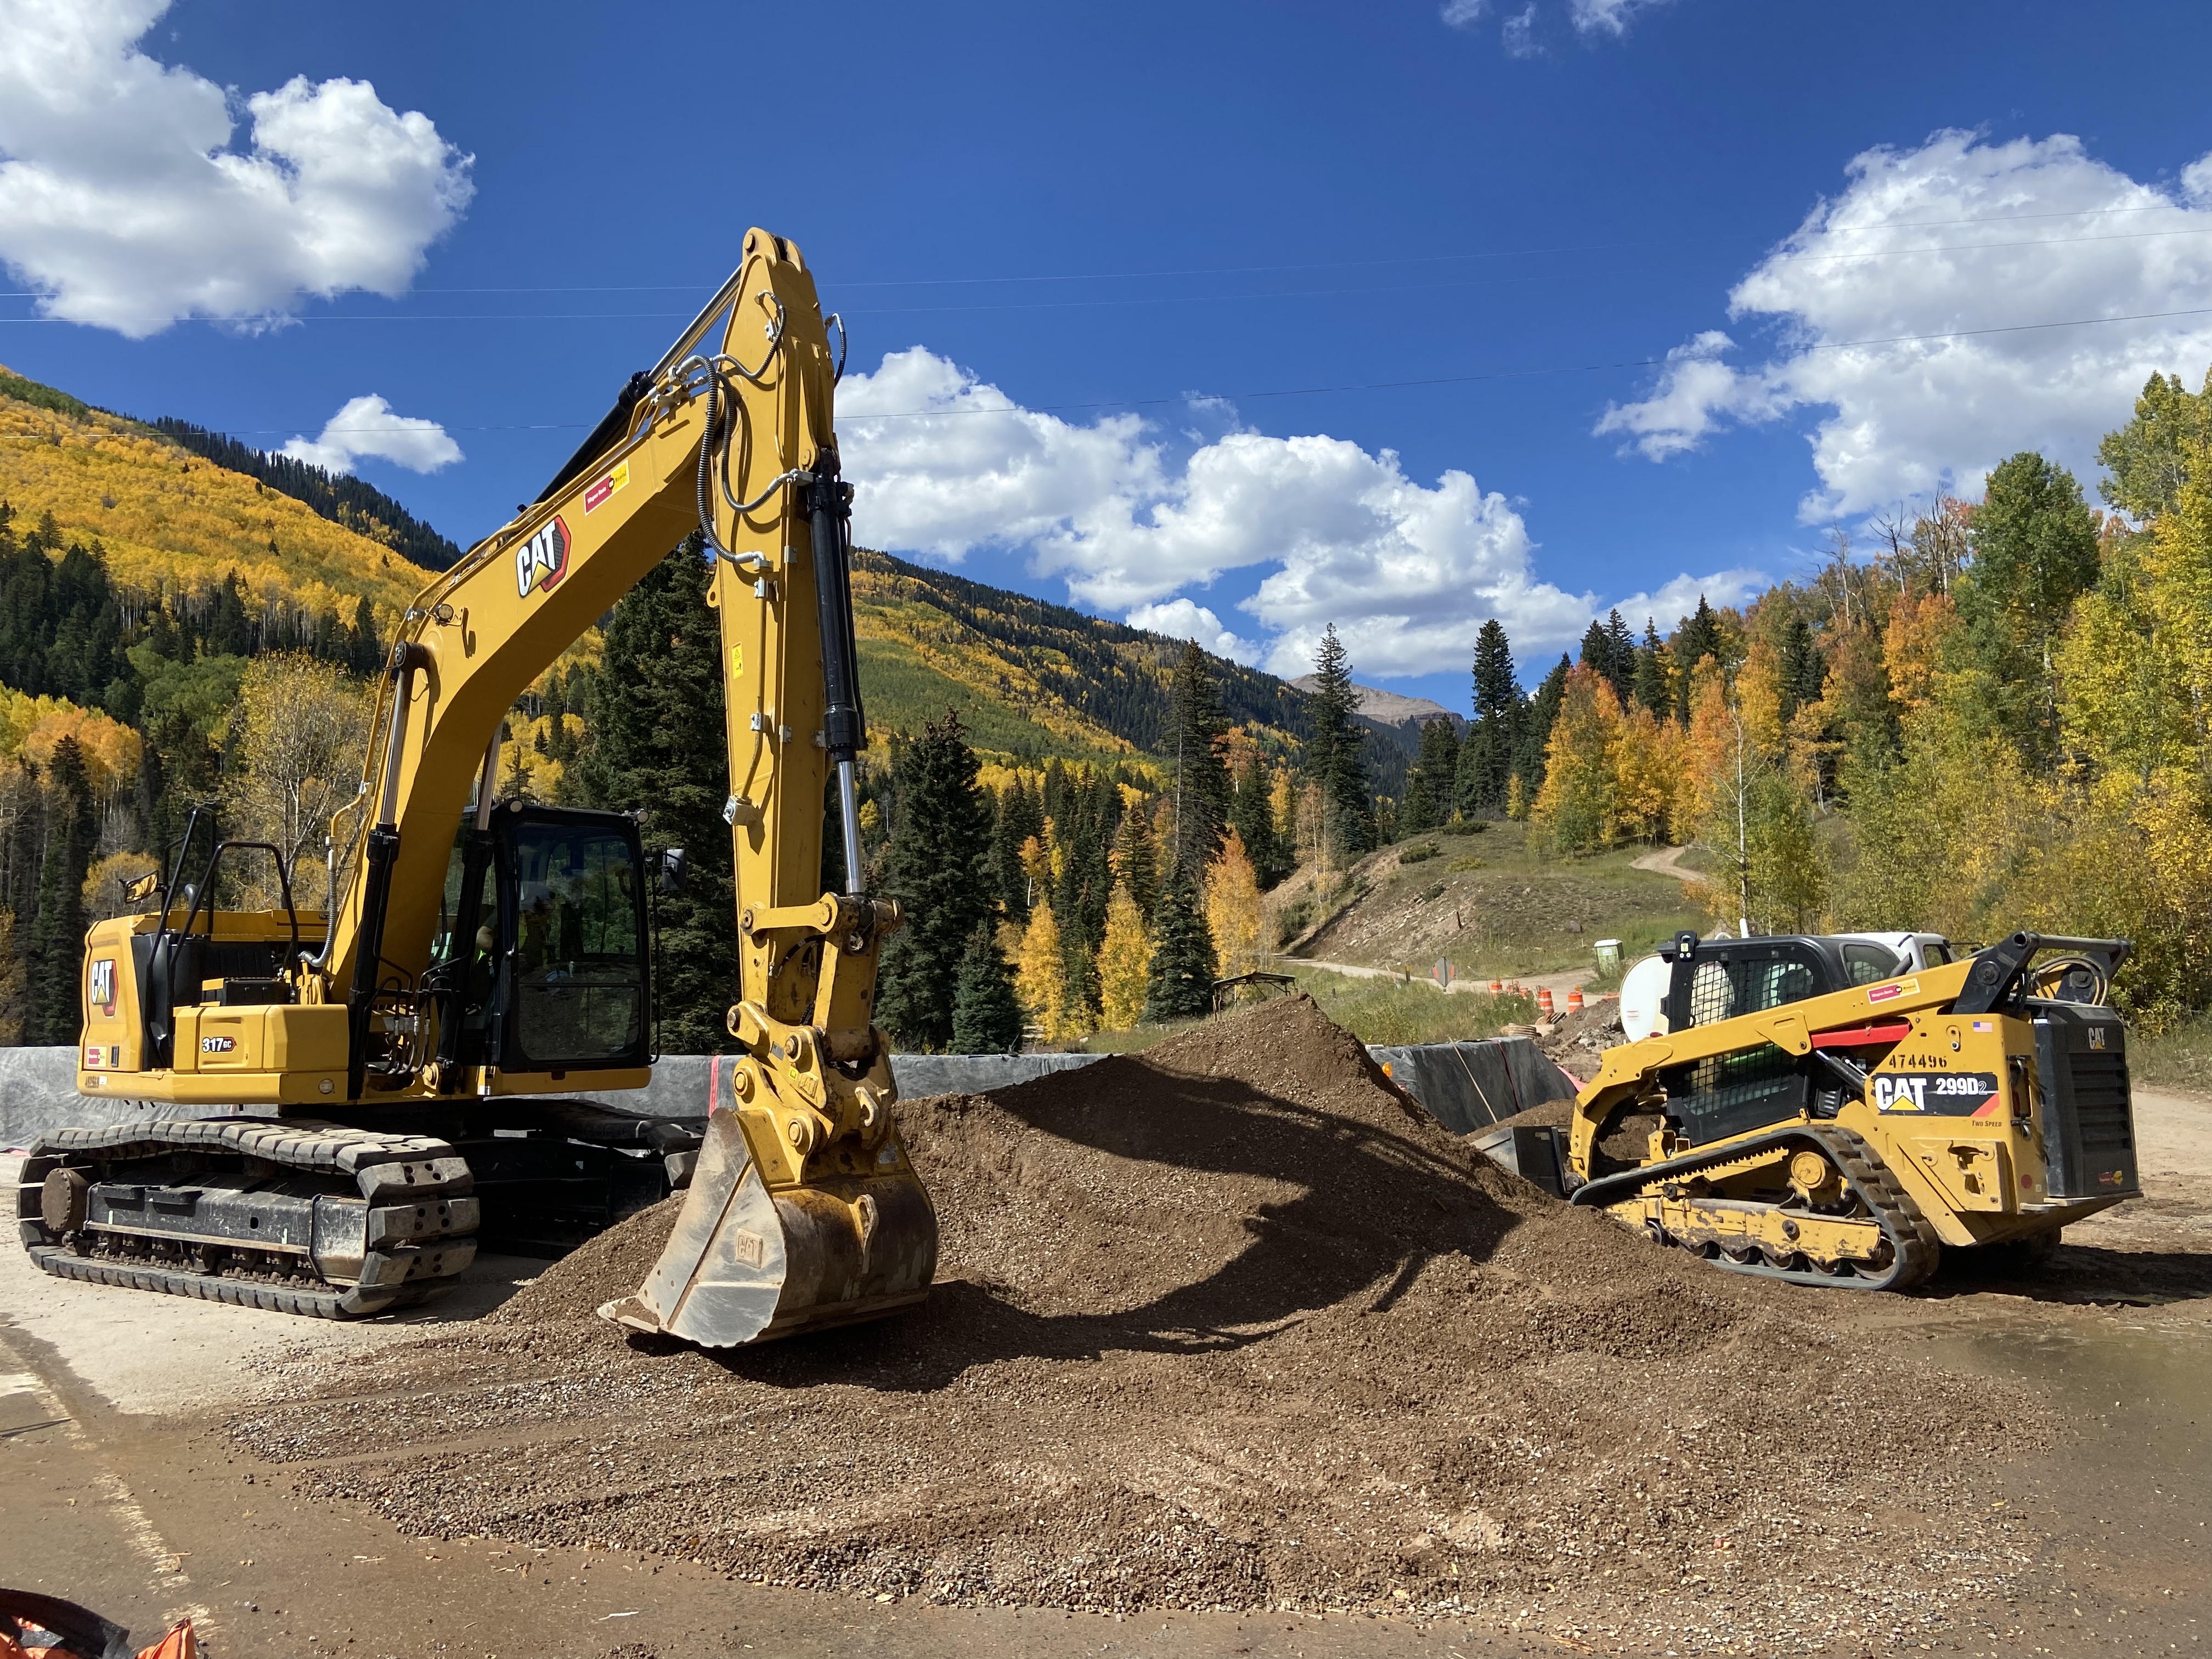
(1034, 680)
(1997, 717)
(166, 521)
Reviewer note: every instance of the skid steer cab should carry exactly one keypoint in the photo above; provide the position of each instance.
(540, 978)
(1796, 1113)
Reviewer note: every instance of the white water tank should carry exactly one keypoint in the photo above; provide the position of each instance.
(1644, 997)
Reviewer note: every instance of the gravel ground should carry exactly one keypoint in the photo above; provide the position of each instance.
(1227, 1324)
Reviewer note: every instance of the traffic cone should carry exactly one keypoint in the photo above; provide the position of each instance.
(1544, 1001)
(1496, 987)
(1575, 1000)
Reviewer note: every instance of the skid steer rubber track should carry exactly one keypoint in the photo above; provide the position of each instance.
(293, 1217)
(1915, 1249)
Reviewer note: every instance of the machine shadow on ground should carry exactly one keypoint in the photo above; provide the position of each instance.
(2075, 1275)
(1374, 1209)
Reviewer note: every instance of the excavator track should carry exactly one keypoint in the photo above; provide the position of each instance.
(295, 1216)
(1914, 1248)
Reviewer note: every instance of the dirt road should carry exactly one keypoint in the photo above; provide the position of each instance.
(1666, 861)
(1558, 984)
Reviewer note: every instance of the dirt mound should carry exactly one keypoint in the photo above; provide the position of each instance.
(1578, 1041)
(610, 1266)
(1226, 1324)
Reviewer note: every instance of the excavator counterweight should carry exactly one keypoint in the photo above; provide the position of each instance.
(347, 1100)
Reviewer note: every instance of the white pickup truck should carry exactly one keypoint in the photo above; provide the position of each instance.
(1867, 958)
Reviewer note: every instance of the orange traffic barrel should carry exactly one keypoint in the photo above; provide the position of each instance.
(1544, 1000)
(1574, 1001)
(1496, 987)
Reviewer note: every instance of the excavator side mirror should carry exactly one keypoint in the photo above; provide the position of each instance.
(673, 866)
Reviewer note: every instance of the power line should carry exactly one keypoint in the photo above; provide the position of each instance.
(1348, 264)
(1365, 386)
(1099, 304)
(1522, 373)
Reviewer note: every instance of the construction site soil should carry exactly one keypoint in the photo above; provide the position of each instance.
(1228, 1324)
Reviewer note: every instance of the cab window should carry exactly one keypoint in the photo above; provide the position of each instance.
(1729, 987)
(579, 947)
(1866, 964)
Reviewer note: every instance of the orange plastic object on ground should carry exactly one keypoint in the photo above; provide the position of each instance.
(179, 1643)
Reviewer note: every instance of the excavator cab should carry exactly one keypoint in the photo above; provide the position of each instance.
(543, 954)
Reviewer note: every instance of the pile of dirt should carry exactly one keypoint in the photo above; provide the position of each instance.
(1578, 1041)
(1226, 1324)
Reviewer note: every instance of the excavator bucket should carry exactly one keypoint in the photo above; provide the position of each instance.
(744, 1264)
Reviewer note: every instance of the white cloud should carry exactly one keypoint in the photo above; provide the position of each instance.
(1955, 236)
(1186, 619)
(1408, 572)
(1606, 17)
(367, 428)
(1464, 14)
(122, 204)
(1518, 33)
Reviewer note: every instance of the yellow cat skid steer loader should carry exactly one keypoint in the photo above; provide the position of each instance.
(334, 1104)
(1789, 1122)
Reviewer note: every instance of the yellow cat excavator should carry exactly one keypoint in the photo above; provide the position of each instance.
(1799, 1115)
(325, 1110)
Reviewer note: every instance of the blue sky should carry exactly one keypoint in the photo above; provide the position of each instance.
(1088, 240)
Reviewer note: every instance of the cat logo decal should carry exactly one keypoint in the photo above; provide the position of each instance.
(541, 562)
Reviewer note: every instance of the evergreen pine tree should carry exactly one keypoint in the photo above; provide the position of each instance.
(1252, 815)
(1334, 761)
(1697, 637)
(179, 768)
(1431, 784)
(1487, 755)
(1180, 981)
(938, 868)
(985, 1017)
(1802, 672)
(1017, 817)
(1137, 859)
(1620, 657)
(1537, 730)
(365, 652)
(656, 741)
(57, 932)
(1653, 683)
(1198, 782)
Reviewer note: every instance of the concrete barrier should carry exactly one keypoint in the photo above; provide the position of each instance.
(1466, 1085)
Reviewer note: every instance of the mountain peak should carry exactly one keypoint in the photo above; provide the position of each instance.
(1388, 708)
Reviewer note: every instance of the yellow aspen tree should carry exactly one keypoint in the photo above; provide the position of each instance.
(1125, 958)
(1915, 647)
(1232, 907)
(1759, 701)
(1646, 761)
(1040, 974)
(1036, 864)
(1576, 804)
